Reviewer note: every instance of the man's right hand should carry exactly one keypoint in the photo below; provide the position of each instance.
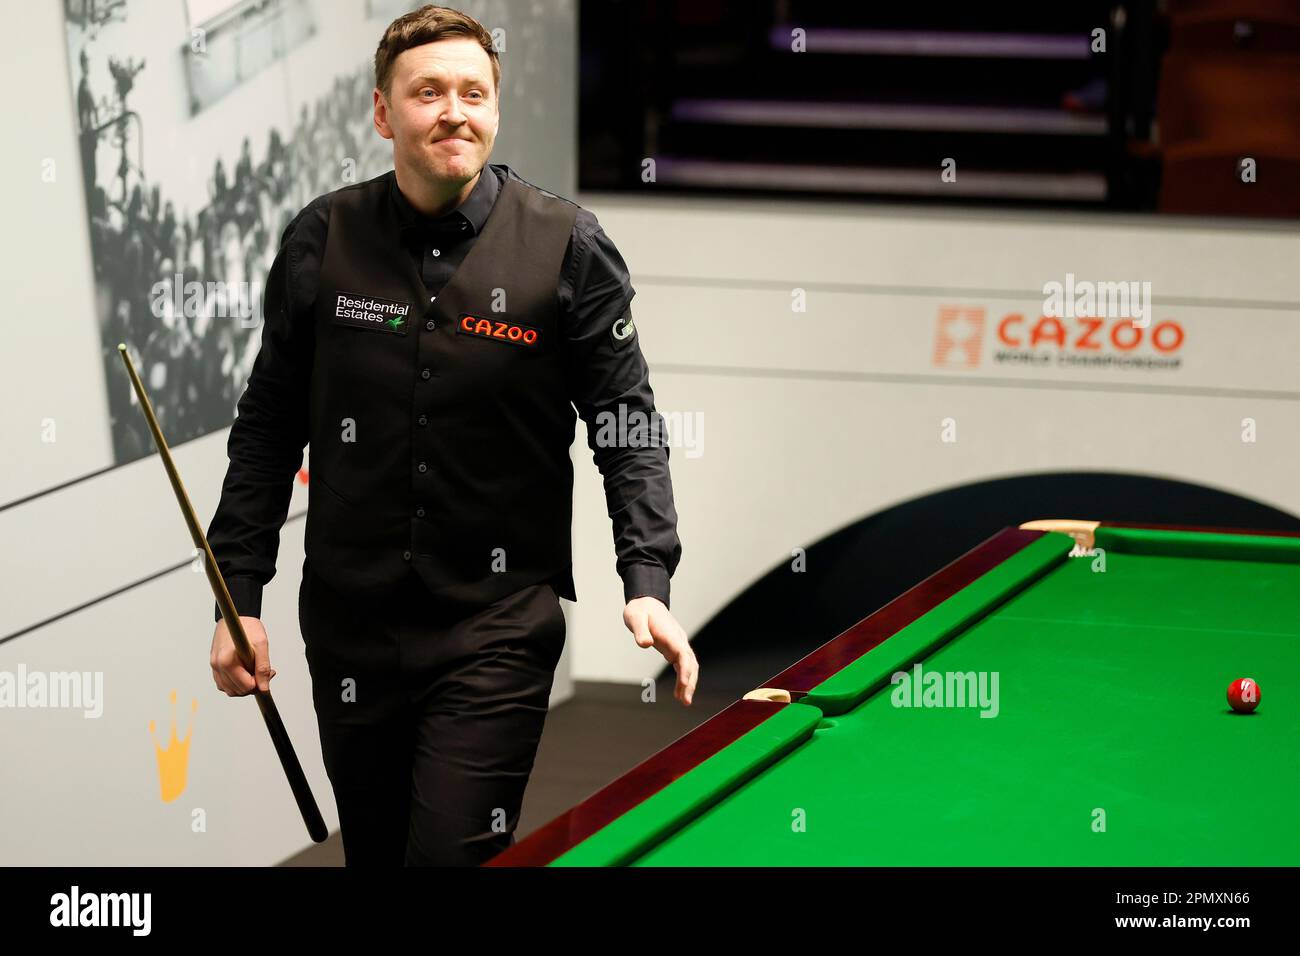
(231, 677)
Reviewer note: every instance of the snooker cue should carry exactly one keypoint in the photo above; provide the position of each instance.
(274, 725)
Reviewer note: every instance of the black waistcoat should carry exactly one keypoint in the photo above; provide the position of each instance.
(440, 431)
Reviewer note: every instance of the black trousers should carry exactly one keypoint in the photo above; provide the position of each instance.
(429, 715)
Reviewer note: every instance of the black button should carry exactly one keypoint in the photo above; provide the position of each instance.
(422, 420)
(419, 512)
(406, 555)
(425, 374)
(429, 325)
(423, 467)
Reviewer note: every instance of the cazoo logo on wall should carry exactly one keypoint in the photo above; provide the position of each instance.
(967, 337)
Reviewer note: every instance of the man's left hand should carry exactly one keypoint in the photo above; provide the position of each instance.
(653, 625)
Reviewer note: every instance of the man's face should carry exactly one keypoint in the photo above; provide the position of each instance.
(442, 111)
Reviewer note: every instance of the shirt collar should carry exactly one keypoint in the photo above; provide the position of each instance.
(474, 210)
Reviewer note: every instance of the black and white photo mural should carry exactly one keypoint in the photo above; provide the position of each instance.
(204, 126)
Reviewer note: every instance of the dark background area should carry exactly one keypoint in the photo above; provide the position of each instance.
(1015, 94)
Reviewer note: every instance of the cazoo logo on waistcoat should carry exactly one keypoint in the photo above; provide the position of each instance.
(499, 330)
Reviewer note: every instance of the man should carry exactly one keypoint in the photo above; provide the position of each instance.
(429, 333)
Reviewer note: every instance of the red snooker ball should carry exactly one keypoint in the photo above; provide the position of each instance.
(1243, 695)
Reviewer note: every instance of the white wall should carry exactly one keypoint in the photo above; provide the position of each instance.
(812, 421)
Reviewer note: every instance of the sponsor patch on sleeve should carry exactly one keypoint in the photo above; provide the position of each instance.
(623, 330)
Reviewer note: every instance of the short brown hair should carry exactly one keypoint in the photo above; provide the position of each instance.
(425, 25)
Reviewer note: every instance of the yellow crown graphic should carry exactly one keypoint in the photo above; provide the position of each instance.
(174, 760)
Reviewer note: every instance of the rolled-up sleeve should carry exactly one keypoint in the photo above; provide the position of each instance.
(266, 441)
(610, 388)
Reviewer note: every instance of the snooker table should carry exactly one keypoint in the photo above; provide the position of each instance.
(1108, 739)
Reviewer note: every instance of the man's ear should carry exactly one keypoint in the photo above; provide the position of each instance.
(381, 115)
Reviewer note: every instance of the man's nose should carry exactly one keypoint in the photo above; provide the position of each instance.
(454, 115)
